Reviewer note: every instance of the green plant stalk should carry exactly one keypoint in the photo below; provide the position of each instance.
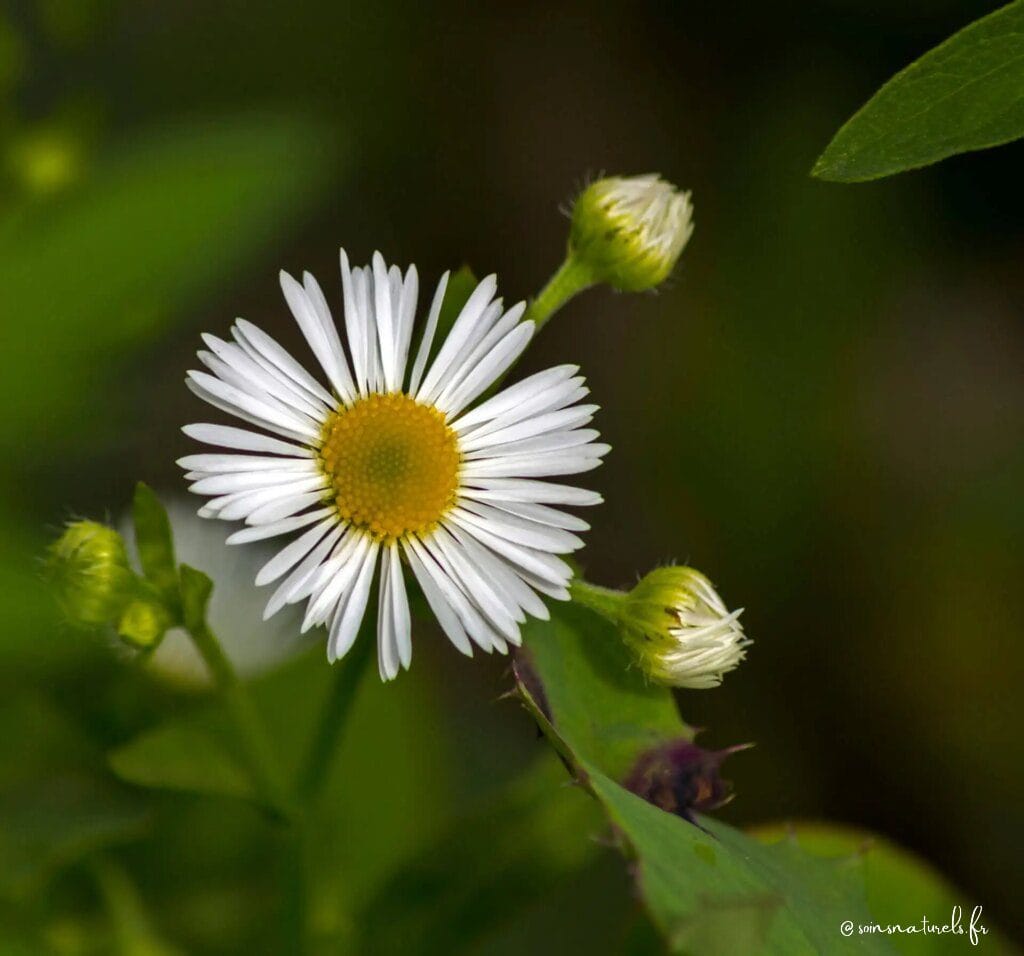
(333, 718)
(571, 278)
(256, 750)
(604, 601)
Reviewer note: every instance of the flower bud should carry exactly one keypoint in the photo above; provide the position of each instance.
(630, 231)
(682, 778)
(683, 634)
(88, 566)
(143, 623)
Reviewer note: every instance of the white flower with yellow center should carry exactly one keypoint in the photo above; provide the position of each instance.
(391, 465)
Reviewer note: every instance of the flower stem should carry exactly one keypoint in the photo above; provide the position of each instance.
(572, 277)
(333, 718)
(256, 749)
(604, 601)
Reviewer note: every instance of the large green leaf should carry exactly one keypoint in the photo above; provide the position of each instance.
(901, 888)
(967, 93)
(107, 265)
(56, 805)
(485, 868)
(710, 889)
(195, 754)
(580, 675)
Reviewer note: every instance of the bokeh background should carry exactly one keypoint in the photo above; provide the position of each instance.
(823, 410)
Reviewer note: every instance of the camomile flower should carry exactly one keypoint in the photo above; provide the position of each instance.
(391, 465)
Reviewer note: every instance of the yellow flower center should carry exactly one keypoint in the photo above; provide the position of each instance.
(393, 462)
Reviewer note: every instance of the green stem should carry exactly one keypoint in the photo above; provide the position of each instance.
(256, 749)
(604, 601)
(333, 719)
(133, 932)
(571, 278)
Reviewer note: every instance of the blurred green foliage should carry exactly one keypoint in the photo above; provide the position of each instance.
(822, 413)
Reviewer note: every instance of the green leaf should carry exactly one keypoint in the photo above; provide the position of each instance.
(56, 806)
(709, 889)
(716, 891)
(901, 887)
(196, 588)
(195, 754)
(579, 675)
(160, 222)
(484, 869)
(967, 93)
(155, 543)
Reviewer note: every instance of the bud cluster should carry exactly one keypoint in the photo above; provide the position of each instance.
(97, 589)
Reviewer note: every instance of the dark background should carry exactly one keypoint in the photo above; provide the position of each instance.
(822, 410)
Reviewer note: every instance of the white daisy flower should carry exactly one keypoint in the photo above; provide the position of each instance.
(392, 465)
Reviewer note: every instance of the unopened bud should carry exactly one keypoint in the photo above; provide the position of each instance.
(97, 588)
(88, 566)
(683, 633)
(630, 231)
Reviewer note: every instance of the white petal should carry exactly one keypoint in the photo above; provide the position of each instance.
(443, 611)
(464, 365)
(497, 490)
(545, 566)
(238, 401)
(284, 526)
(481, 633)
(490, 601)
(522, 530)
(540, 513)
(363, 280)
(317, 300)
(423, 352)
(333, 577)
(293, 553)
(290, 589)
(468, 346)
(283, 507)
(346, 626)
(502, 574)
(400, 609)
(406, 320)
(309, 322)
(509, 398)
(230, 482)
(464, 330)
(230, 437)
(278, 356)
(549, 441)
(223, 463)
(355, 325)
(556, 397)
(561, 420)
(386, 330)
(232, 364)
(492, 367)
(387, 648)
(572, 462)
